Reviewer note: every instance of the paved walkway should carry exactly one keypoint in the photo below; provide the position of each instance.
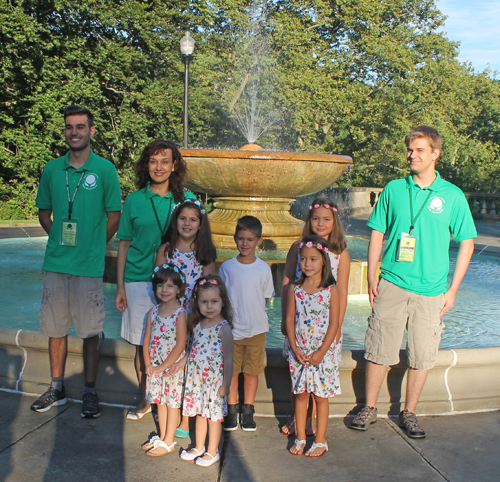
(61, 446)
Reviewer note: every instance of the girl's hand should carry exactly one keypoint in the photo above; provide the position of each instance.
(316, 358)
(149, 370)
(301, 357)
(223, 391)
(174, 368)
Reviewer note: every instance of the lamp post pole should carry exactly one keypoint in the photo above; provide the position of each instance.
(187, 48)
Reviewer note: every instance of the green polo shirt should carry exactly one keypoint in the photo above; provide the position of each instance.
(445, 212)
(138, 224)
(98, 193)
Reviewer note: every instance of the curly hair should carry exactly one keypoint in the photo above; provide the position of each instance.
(167, 272)
(176, 180)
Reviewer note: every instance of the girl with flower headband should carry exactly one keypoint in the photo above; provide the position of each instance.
(312, 323)
(188, 245)
(209, 367)
(165, 344)
(323, 220)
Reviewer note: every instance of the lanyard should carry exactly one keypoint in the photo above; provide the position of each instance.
(414, 219)
(162, 231)
(71, 199)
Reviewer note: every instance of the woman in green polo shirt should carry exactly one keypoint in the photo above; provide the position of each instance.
(145, 218)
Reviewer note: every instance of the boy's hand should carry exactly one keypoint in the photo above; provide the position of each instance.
(316, 358)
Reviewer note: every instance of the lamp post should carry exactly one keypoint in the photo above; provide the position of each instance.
(187, 48)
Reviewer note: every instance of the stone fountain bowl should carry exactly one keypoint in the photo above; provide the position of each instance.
(261, 173)
(260, 183)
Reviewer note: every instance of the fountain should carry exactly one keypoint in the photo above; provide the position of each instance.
(260, 183)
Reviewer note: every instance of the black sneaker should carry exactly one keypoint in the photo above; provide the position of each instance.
(247, 422)
(51, 398)
(409, 423)
(230, 423)
(90, 405)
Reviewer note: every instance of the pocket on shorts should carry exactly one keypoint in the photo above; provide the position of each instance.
(372, 337)
(44, 307)
(96, 302)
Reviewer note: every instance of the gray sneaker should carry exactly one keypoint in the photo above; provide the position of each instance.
(363, 419)
(409, 423)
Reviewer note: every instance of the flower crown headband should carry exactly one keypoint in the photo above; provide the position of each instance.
(192, 201)
(203, 281)
(327, 206)
(169, 266)
(310, 244)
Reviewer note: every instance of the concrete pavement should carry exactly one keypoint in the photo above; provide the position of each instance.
(61, 446)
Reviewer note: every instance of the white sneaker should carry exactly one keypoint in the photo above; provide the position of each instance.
(208, 462)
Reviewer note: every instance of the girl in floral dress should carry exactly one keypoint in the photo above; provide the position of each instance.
(165, 344)
(312, 325)
(189, 246)
(323, 220)
(209, 367)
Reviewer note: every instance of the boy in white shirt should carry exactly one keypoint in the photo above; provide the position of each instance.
(250, 284)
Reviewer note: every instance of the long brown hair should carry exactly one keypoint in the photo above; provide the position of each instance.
(337, 237)
(204, 247)
(318, 243)
(176, 180)
(205, 283)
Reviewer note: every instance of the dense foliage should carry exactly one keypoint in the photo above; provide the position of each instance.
(342, 76)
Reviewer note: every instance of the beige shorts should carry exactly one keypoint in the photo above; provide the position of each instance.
(396, 309)
(68, 298)
(250, 355)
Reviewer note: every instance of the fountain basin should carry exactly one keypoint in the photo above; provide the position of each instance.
(259, 183)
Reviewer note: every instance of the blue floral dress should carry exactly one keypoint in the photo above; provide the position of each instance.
(312, 319)
(190, 266)
(161, 388)
(205, 374)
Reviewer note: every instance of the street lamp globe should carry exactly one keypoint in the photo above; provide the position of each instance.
(187, 45)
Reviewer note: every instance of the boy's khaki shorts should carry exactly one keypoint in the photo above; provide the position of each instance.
(396, 309)
(250, 355)
(68, 298)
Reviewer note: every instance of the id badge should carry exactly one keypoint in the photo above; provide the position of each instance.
(407, 245)
(68, 232)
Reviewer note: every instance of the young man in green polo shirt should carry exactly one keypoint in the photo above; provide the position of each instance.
(418, 214)
(79, 205)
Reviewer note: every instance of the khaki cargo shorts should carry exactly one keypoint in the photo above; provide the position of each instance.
(68, 298)
(395, 310)
(250, 355)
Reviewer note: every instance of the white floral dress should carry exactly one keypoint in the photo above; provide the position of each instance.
(312, 319)
(334, 262)
(205, 374)
(189, 266)
(161, 388)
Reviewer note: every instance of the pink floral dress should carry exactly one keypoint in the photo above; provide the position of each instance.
(205, 374)
(312, 319)
(161, 388)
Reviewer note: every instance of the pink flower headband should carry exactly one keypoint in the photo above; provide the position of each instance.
(327, 206)
(310, 244)
(203, 281)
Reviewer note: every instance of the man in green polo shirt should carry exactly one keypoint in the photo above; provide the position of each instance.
(418, 214)
(79, 205)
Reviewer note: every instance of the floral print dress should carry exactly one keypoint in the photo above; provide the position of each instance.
(334, 263)
(161, 388)
(189, 266)
(312, 319)
(205, 374)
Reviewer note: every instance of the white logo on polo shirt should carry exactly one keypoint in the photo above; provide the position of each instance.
(436, 205)
(90, 181)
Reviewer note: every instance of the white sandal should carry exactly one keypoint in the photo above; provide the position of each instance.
(207, 462)
(299, 445)
(150, 443)
(192, 454)
(162, 444)
(317, 445)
